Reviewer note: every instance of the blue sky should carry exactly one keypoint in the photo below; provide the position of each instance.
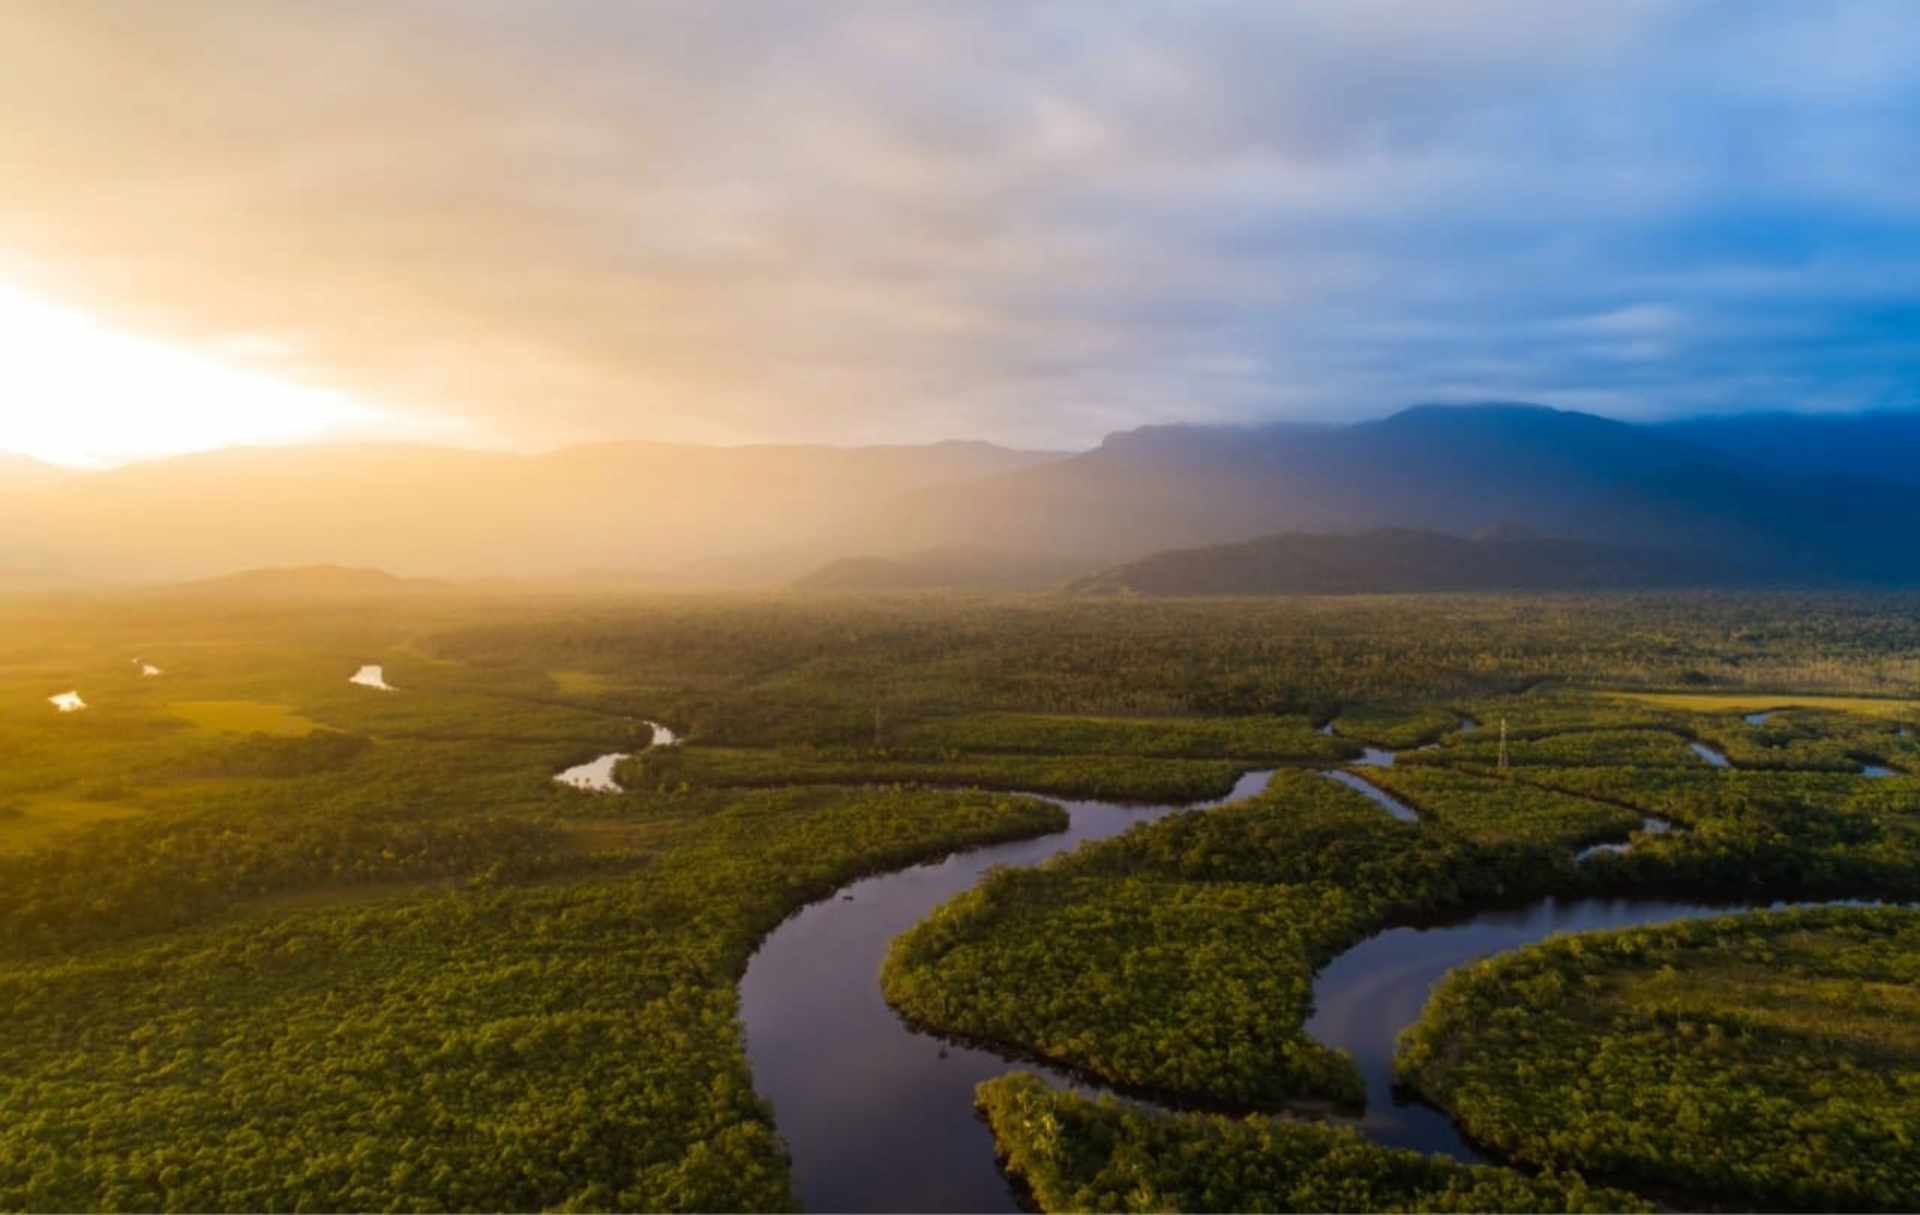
(1036, 223)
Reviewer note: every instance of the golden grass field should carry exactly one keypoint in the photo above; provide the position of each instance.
(1746, 702)
(580, 683)
(28, 823)
(243, 717)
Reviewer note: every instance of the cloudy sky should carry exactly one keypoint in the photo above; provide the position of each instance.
(846, 222)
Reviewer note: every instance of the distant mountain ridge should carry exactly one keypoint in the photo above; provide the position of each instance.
(1399, 561)
(1807, 500)
(1449, 469)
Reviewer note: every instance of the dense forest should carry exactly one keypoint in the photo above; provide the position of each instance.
(1072, 1154)
(1770, 1059)
(275, 940)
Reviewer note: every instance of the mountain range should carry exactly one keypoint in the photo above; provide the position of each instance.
(1451, 469)
(1803, 499)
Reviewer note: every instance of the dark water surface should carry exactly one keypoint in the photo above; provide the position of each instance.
(1367, 995)
(879, 1117)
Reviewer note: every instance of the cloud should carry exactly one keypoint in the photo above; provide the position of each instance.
(855, 222)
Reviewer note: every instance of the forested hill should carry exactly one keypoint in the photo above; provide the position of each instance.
(1394, 560)
(1882, 445)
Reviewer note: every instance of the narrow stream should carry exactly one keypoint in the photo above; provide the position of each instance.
(1650, 824)
(596, 775)
(1715, 759)
(1374, 793)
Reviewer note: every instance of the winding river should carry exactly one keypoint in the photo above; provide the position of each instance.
(879, 1117)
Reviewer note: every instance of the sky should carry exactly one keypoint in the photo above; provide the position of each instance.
(494, 223)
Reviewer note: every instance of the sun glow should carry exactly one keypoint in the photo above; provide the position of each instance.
(73, 391)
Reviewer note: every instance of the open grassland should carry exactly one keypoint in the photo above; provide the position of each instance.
(309, 944)
(1689, 702)
(243, 717)
(28, 822)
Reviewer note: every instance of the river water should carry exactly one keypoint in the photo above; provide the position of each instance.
(372, 675)
(596, 775)
(1367, 995)
(879, 1117)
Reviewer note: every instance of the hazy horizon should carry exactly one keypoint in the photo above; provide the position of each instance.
(534, 451)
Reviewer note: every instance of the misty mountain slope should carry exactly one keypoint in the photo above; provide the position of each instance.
(421, 510)
(1456, 469)
(676, 515)
(303, 582)
(1881, 445)
(944, 569)
(1397, 560)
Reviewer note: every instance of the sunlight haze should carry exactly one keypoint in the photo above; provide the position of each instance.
(1035, 224)
(85, 395)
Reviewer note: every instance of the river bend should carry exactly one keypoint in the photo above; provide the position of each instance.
(879, 1116)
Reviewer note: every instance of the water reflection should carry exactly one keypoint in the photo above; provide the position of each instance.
(1649, 824)
(1366, 996)
(596, 775)
(371, 676)
(1713, 757)
(1375, 794)
(877, 1116)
